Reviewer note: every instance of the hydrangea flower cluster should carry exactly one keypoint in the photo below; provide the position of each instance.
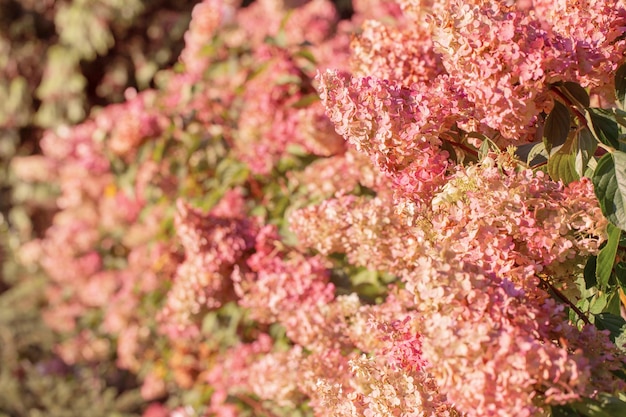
(493, 346)
(296, 222)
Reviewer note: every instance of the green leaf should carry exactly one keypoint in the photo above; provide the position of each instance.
(620, 274)
(611, 322)
(620, 116)
(602, 124)
(590, 272)
(562, 166)
(606, 257)
(598, 303)
(575, 93)
(533, 153)
(257, 71)
(557, 126)
(487, 146)
(605, 406)
(620, 86)
(620, 342)
(364, 276)
(562, 163)
(609, 181)
(286, 79)
(563, 411)
(613, 304)
(586, 147)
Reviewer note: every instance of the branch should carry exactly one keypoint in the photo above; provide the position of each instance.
(563, 298)
(466, 149)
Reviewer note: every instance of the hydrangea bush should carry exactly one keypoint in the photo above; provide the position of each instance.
(414, 212)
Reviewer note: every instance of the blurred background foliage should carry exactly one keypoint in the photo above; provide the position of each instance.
(61, 60)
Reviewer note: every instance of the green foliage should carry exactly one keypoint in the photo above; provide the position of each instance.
(586, 147)
(572, 143)
(603, 126)
(371, 286)
(574, 93)
(562, 162)
(604, 406)
(557, 127)
(81, 53)
(620, 87)
(610, 187)
(606, 257)
(57, 61)
(582, 141)
(63, 78)
(614, 324)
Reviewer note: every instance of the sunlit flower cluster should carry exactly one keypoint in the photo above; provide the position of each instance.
(212, 244)
(503, 57)
(501, 219)
(494, 347)
(396, 126)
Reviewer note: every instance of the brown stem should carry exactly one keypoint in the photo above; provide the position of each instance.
(563, 298)
(471, 151)
(256, 406)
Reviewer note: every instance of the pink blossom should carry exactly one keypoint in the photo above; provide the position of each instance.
(397, 127)
(493, 347)
(404, 55)
(213, 245)
(127, 125)
(155, 410)
(285, 287)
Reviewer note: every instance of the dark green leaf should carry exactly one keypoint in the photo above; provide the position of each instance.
(606, 406)
(533, 153)
(620, 86)
(557, 126)
(590, 272)
(620, 116)
(606, 257)
(609, 181)
(620, 274)
(602, 124)
(613, 304)
(563, 411)
(611, 322)
(575, 93)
